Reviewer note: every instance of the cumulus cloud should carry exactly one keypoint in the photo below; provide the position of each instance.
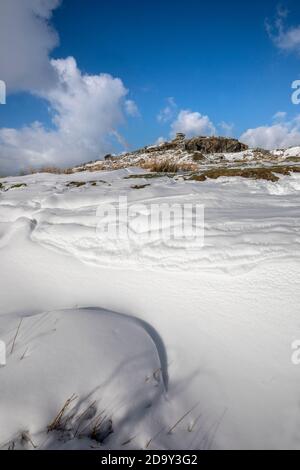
(86, 110)
(168, 112)
(279, 135)
(26, 39)
(286, 38)
(192, 123)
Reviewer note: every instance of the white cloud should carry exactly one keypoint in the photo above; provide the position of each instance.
(280, 116)
(131, 108)
(226, 128)
(168, 112)
(189, 122)
(286, 38)
(192, 123)
(86, 110)
(26, 39)
(279, 135)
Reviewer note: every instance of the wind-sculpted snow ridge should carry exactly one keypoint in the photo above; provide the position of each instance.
(246, 222)
(89, 378)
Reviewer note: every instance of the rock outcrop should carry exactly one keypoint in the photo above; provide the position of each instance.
(209, 145)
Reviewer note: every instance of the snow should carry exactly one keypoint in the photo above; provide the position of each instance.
(289, 152)
(98, 350)
(149, 333)
(292, 152)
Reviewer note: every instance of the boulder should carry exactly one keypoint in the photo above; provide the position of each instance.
(110, 157)
(179, 137)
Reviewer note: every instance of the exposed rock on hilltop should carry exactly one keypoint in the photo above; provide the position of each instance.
(205, 145)
(208, 145)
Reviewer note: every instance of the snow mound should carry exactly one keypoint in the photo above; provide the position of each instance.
(112, 363)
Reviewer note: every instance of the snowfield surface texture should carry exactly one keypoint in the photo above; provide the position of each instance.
(158, 344)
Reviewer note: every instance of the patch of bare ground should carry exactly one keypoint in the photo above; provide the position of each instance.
(266, 173)
(12, 186)
(168, 166)
(18, 185)
(292, 159)
(198, 157)
(97, 167)
(76, 184)
(139, 186)
(79, 184)
(149, 175)
(48, 169)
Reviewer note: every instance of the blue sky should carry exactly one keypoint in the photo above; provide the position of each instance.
(217, 59)
(214, 57)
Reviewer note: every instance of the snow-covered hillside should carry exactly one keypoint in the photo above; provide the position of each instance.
(161, 344)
